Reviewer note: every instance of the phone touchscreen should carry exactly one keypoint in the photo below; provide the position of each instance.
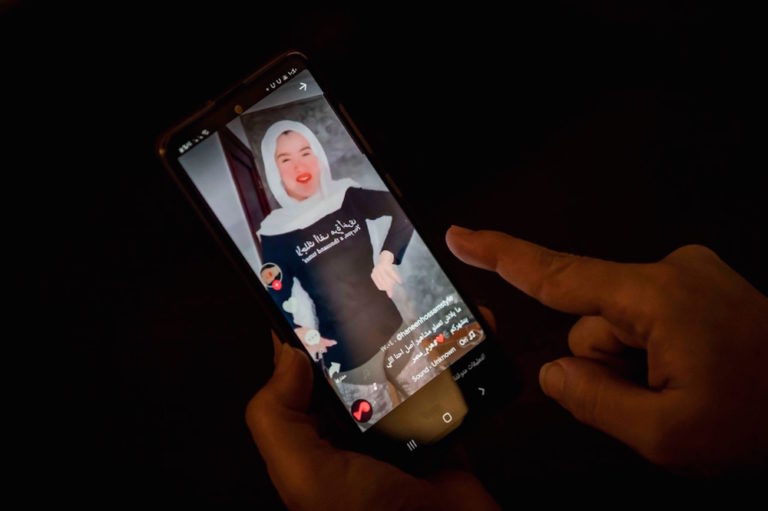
(329, 242)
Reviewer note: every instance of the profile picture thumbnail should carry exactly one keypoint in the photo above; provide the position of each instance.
(272, 276)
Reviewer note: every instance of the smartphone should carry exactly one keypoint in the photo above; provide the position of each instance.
(294, 194)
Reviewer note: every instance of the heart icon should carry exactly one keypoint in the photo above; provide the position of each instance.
(440, 338)
(361, 410)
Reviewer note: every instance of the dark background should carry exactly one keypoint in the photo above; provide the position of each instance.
(621, 132)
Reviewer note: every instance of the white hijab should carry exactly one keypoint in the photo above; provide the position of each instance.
(298, 214)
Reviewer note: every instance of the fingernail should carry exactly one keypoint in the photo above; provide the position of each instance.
(457, 230)
(552, 380)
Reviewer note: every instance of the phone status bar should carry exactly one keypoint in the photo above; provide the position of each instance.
(189, 144)
(281, 79)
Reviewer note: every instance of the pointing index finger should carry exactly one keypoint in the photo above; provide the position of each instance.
(573, 284)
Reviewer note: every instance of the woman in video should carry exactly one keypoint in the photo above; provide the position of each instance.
(319, 237)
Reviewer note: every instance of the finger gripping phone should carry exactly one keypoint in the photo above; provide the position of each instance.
(292, 191)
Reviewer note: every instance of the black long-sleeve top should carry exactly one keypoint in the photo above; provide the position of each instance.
(336, 273)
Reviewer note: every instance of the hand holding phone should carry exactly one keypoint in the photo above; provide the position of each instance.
(310, 473)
